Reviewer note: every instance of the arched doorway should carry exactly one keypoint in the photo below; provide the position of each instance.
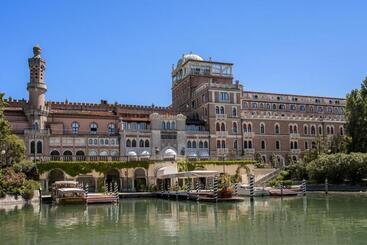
(140, 181)
(55, 175)
(112, 177)
(55, 155)
(68, 155)
(80, 156)
(87, 179)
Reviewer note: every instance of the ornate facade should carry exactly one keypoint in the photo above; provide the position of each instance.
(211, 117)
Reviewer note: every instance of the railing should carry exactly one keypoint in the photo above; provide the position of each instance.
(221, 133)
(36, 131)
(249, 151)
(248, 134)
(294, 135)
(221, 116)
(222, 151)
(295, 151)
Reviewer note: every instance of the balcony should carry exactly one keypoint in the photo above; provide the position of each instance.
(221, 133)
(249, 151)
(248, 134)
(37, 131)
(294, 135)
(222, 151)
(295, 151)
(221, 116)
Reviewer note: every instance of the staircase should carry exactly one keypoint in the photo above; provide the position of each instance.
(266, 178)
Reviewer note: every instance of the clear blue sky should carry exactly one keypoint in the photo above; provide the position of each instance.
(123, 50)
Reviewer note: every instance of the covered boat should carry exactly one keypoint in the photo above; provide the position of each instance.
(67, 192)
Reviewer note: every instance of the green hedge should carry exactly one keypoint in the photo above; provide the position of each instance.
(338, 168)
(192, 165)
(74, 168)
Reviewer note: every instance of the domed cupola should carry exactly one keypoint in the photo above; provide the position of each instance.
(189, 56)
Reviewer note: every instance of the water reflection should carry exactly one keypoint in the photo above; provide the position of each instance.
(314, 219)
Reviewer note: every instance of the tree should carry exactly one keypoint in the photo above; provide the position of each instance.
(12, 148)
(356, 118)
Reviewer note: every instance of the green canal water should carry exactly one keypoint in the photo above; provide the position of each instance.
(315, 219)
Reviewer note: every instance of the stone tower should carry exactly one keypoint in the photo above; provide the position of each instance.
(36, 109)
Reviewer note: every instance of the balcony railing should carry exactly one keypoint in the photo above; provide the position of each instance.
(249, 151)
(221, 116)
(295, 151)
(248, 134)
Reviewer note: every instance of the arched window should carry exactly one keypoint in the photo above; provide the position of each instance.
(222, 110)
(35, 126)
(217, 126)
(106, 141)
(168, 125)
(263, 144)
(245, 146)
(200, 144)
(274, 106)
(250, 144)
(218, 144)
(234, 127)
(313, 145)
(93, 128)
(327, 130)
(223, 144)
(95, 141)
(249, 128)
(245, 127)
(189, 144)
(295, 145)
(217, 110)
(39, 147)
(194, 144)
(146, 143)
(133, 143)
(306, 145)
(128, 143)
(313, 130)
(173, 125)
(320, 130)
(74, 127)
(277, 145)
(205, 144)
(290, 129)
(341, 130)
(262, 128)
(332, 130)
(90, 142)
(234, 111)
(292, 145)
(235, 144)
(276, 129)
(295, 129)
(33, 146)
(141, 143)
(305, 130)
(223, 127)
(111, 128)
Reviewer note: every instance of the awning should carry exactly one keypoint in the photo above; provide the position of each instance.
(145, 153)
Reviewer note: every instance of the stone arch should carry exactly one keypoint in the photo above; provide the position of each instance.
(55, 155)
(113, 176)
(140, 179)
(55, 175)
(242, 173)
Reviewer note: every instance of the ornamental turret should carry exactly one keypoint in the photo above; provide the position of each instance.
(36, 109)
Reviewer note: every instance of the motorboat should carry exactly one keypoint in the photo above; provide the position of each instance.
(244, 190)
(68, 192)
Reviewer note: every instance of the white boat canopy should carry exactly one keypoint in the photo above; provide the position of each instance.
(170, 153)
(190, 174)
(145, 153)
(166, 171)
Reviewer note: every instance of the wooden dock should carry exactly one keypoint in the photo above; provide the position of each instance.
(193, 196)
(101, 198)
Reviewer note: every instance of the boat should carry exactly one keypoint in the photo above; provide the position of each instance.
(285, 192)
(68, 192)
(244, 190)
